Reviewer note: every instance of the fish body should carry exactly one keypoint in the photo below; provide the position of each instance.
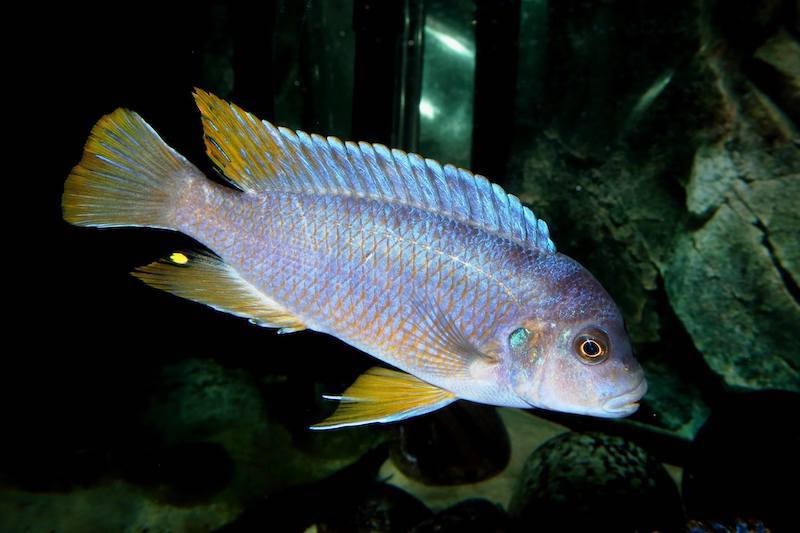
(366, 271)
(430, 269)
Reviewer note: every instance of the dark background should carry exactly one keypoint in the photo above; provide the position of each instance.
(86, 338)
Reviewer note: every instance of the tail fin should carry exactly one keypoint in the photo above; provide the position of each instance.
(128, 176)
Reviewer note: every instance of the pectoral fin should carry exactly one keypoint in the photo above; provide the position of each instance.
(209, 280)
(384, 395)
(443, 347)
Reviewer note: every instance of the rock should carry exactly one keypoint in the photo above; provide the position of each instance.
(181, 474)
(733, 277)
(782, 52)
(463, 443)
(740, 526)
(593, 481)
(379, 508)
(202, 411)
(726, 285)
(673, 403)
(743, 459)
(771, 202)
(300, 507)
(196, 398)
(110, 506)
(780, 55)
(468, 516)
(712, 176)
(526, 432)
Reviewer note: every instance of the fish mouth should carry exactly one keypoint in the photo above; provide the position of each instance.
(626, 403)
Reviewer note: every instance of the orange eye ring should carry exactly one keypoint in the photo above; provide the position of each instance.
(592, 348)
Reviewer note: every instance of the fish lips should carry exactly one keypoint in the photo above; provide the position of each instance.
(627, 403)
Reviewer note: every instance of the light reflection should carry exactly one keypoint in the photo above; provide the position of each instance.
(651, 94)
(426, 109)
(454, 44)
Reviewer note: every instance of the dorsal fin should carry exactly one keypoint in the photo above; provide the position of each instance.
(256, 156)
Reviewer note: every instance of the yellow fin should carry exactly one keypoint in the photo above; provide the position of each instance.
(128, 176)
(384, 395)
(207, 279)
(237, 142)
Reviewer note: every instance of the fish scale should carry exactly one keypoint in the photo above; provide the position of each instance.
(358, 243)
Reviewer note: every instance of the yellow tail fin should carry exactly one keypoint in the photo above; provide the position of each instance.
(128, 176)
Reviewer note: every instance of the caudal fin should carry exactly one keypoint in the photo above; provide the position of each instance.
(128, 176)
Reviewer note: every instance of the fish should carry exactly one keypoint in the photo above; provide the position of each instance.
(451, 282)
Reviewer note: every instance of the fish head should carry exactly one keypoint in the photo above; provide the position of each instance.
(571, 352)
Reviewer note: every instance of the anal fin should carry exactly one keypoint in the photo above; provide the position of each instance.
(207, 279)
(384, 395)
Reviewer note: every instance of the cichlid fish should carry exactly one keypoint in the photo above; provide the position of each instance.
(428, 268)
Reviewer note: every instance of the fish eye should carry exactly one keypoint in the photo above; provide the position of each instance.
(592, 347)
